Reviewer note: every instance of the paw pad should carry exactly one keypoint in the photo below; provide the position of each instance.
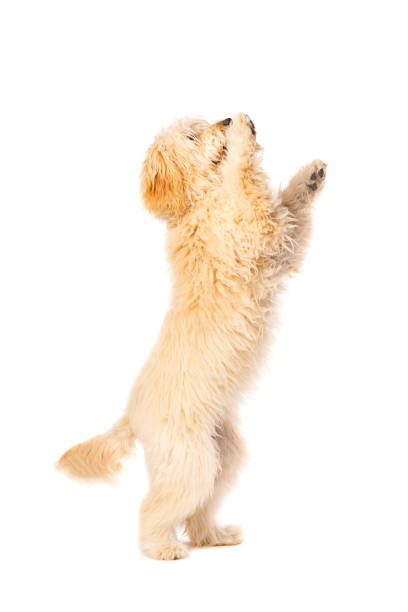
(317, 176)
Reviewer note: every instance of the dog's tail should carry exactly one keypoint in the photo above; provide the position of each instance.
(100, 457)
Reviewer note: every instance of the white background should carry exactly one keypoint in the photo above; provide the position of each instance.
(84, 282)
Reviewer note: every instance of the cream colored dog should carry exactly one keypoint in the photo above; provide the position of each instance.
(231, 244)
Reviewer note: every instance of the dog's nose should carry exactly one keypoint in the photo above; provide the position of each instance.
(227, 121)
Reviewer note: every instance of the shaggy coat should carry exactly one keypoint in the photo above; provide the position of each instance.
(231, 244)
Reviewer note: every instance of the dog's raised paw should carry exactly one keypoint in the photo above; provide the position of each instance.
(317, 175)
(250, 124)
(245, 121)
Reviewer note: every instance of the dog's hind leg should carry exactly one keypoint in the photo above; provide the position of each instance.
(182, 479)
(201, 527)
(298, 198)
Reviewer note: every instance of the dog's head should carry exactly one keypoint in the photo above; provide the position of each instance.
(183, 161)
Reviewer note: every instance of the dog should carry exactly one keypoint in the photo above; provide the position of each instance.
(232, 242)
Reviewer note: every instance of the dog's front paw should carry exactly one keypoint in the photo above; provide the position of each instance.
(241, 144)
(244, 123)
(316, 173)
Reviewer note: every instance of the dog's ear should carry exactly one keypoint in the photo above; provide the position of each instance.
(162, 184)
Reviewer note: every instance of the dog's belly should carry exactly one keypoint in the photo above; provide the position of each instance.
(203, 361)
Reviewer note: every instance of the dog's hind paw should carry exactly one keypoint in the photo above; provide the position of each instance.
(230, 535)
(167, 551)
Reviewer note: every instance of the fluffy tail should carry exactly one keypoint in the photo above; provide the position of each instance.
(100, 457)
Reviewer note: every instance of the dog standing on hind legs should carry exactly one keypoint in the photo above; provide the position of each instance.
(231, 244)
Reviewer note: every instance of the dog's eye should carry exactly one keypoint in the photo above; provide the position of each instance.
(192, 137)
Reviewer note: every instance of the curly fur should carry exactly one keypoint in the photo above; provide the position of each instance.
(231, 244)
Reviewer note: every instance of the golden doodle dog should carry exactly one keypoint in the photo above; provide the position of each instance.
(231, 243)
